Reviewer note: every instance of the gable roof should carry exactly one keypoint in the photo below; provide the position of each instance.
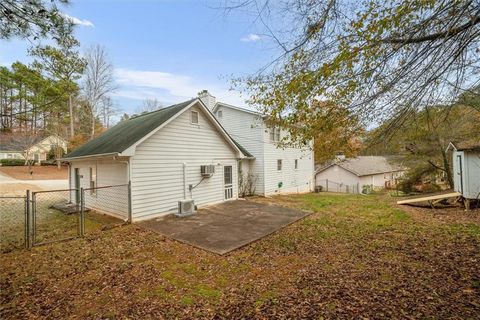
(13, 143)
(219, 104)
(129, 132)
(464, 145)
(365, 165)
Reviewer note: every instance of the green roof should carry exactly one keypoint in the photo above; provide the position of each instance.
(126, 133)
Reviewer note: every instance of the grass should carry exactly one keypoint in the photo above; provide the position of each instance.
(355, 256)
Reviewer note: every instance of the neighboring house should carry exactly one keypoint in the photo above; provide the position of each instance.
(374, 171)
(466, 168)
(34, 148)
(275, 169)
(160, 153)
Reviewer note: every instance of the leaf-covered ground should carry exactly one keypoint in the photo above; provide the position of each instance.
(356, 256)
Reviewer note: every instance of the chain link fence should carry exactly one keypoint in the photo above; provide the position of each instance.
(333, 186)
(43, 217)
(111, 200)
(55, 217)
(12, 222)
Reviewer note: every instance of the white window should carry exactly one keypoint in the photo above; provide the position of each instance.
(93, 179)
(296, 164)
(194, 117)
(275, 134)
(279, 165)
(219, 113)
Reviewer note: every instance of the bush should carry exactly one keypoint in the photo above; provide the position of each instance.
(12, 162)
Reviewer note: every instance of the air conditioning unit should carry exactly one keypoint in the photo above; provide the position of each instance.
(186, 208)
(207, 170)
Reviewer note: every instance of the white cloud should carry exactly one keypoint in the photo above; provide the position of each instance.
(80, 22)
(168, 87)
(252, 37)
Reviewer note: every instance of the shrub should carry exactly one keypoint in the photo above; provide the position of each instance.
(12, 162)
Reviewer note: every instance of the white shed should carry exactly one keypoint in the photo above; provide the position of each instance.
(160, 154)
(466, 168)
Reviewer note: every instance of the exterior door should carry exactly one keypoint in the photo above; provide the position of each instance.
(460, 173)
(77, 185)
(228, 181)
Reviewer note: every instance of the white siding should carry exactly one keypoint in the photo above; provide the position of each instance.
(469, 175)
(247, 129)
(113, 201)
(336, 174)
(292, 180)
(157, 166)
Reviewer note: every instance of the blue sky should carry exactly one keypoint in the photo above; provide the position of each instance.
(165, 49)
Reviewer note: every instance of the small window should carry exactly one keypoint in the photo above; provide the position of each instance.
(194, 117)
(296, 164)
(279, 165)
(93, 179)
(275, 134)
(219, 113)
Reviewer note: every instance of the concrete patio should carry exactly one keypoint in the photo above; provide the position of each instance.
(227, 226)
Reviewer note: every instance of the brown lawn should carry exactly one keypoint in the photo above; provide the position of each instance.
(355, 257)
(38, 172)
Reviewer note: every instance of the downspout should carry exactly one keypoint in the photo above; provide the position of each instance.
(129, 212)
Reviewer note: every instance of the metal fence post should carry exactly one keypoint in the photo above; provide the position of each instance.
(81, 232)
(327, 184)
(27, 220)
(130, 218)
(34, 219)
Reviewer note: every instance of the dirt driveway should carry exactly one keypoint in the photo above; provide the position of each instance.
(227, 226)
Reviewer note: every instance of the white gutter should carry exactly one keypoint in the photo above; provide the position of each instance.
(90, 156)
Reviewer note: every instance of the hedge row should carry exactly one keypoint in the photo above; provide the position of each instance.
(12, 162)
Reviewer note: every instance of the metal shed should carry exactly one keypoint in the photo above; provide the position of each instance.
(466, 168)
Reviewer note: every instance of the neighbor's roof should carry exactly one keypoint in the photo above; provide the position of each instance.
(12, 143)
(126, 133)
(466, 145)
(365, 165)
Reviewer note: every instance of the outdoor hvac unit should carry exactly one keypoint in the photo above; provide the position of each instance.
(185, 208)
(207, 170)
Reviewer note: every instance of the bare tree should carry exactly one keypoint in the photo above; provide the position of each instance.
(99, 81)
(149, 105)
(108, 110)
(23, 142)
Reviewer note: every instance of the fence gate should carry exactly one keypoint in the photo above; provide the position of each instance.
(55, 216)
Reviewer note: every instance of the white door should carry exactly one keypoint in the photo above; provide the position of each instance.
(228, 181)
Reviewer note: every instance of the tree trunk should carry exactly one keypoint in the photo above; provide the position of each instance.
(70, 107)
(448, 170)
(93, 125)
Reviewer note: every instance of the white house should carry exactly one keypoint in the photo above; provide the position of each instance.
(355, 173)
(274, 169)
(161, 154)
(466, 168)
(34, 148)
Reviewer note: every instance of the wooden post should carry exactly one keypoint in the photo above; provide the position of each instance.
(327, 185)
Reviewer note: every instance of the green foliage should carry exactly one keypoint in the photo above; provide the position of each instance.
(379, 59)
(12, 162)
(32, 19)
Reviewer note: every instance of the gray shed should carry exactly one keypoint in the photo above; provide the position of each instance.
(466, 168)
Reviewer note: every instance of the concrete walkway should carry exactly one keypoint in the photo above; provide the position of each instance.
(227, 226)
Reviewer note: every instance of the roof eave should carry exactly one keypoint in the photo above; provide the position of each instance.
(90, 156)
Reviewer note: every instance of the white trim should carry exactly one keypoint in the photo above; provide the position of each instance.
(218, 104)
(90, 156)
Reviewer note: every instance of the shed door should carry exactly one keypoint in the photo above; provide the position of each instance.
(228, 181)
(459, 173)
